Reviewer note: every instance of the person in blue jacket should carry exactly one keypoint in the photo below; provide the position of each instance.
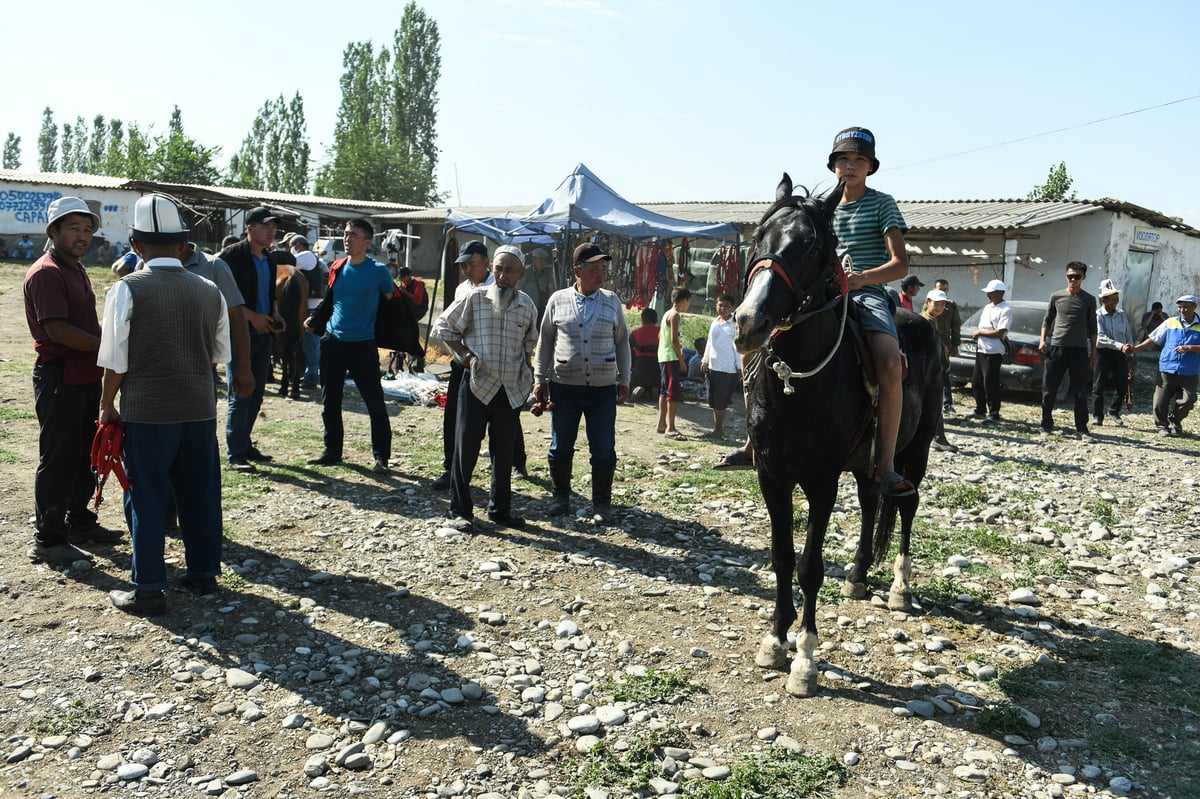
(1178, 366)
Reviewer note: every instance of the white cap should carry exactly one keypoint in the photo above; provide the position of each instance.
(156, 220)
(1187, 298)
(64, 206)
(937, 295)
(994, 285)
(509, 249)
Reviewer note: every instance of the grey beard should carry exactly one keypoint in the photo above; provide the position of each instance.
(501, 297)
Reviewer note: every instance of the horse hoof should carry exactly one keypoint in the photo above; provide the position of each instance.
(802, 686)
(900, 602)
(854, 590)
(771, 655)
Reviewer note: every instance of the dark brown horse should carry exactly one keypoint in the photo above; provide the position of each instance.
(291, 300)
(810, 414)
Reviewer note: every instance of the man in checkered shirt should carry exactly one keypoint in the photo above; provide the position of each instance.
(492, 332)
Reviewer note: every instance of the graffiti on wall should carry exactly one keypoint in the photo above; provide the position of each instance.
(26, 207)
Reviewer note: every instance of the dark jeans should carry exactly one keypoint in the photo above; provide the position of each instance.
(243, 411)
(985, 383)
(1164, 394)
(359, 359)
(596, 404)
(1112, 371)
(178, 459)
(63, 482)
(499, 418)
(1061, 362)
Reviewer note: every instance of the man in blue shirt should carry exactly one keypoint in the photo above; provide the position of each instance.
(1178, 365)
(348, 346)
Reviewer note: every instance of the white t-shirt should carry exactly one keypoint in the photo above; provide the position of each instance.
(994, 317)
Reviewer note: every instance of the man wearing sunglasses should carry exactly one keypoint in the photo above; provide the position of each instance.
(1070, 324)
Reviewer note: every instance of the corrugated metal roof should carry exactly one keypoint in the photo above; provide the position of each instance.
(63, 179)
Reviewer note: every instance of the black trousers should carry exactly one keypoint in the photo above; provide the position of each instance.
(1061, 362)
(450, 420)
(474, 418)
(985, 383)
(1112, 371)
(63, 482)
(359, 359)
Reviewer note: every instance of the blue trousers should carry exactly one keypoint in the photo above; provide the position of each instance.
(312, 358)
(239, 420)
(598, 406)
(180, 458)
(359, 359)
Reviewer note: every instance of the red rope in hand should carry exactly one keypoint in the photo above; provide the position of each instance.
(106, 458)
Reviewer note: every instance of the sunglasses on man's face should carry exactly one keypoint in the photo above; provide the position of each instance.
(1074, 277)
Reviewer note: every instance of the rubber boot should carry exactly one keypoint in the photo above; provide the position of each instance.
(560, 475)
(602, 480)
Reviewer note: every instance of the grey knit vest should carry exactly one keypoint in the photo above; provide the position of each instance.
(171, 347)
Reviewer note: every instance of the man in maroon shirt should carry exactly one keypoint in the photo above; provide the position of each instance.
(60, 308)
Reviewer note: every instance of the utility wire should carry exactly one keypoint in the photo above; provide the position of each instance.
(1046, 133)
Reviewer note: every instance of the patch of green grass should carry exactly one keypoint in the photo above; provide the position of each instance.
(1024, 682)
(10, 414)
(231, 580)
(774, 774)
(622, 772)
(238, 487)
(655, 687)
(830, 593)
(1002, 718)
(941, 591)
(1112, 740)
(7, 456)
(1102, 511)
(68, 720)
(960, 496)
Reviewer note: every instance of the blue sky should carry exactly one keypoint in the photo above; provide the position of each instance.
(670, 100)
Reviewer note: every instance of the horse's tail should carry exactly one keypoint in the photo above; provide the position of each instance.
(885, 525)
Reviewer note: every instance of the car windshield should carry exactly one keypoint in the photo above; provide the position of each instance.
(1026, 320)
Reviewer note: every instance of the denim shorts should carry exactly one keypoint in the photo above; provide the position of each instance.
(875, 313)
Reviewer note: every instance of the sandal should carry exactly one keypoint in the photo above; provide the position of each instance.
(894, 485)
(676, 436)
(734, 461)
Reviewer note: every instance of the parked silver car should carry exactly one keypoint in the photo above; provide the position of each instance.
(1022, 369)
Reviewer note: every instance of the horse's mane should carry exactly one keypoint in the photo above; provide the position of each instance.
(807, 201)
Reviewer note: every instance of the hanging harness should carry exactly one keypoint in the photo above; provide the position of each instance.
(107, 452)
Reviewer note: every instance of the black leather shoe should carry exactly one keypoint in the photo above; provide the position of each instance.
(139, 603)
(381, 467)
(242, 465)
(506, 519)
(442, 483)
(253, 454)
(325, 459)
(203, 586)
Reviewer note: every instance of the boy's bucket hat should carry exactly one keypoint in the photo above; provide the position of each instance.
(855, 140)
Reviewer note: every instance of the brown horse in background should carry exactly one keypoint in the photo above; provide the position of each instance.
(291, 299)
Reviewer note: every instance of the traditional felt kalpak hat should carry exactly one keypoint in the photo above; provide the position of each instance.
(855, 140)
(1108, 288)
(156, 220)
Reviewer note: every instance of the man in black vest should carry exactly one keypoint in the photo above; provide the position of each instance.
(256, 280)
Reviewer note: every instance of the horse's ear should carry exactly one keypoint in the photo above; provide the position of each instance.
(784, 189)
(831, 200)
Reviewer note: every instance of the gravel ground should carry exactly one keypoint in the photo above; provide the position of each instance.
(361, 645)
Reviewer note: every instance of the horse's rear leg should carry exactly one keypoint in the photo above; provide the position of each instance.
(856, 585)
(773, 651)
(802, 681)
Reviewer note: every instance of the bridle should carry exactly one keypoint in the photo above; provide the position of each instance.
(805, 299)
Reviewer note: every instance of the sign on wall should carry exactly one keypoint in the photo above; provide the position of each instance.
(21, 209)
(1147, 238)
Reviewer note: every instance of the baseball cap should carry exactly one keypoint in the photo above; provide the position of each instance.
(260, 215)
(65, 206)
(1187, 298)
(509, 249)
(297, 241)
(994, 285)
(472, 248)
(855, 140)
(911, 280)
(156, 220)
(586, 253)
(937, 295)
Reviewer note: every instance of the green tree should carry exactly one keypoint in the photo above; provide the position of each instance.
(48, 143)
(97, 146)
(68, 157)
(1057, 185)
(294, 152)
(274, 154)
(12, 151)
(180, 159)
(385, 145)
(114, 158)
(79, 146)
(140, 162)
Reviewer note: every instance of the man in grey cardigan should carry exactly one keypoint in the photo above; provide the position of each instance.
(582, 369)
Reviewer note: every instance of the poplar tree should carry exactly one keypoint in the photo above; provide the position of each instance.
(114, 159)
(274, 155)
(12, 151)
(98, 146)
(180, 159)
(48, 143)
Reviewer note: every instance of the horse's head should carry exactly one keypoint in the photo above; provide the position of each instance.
(792, 261)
